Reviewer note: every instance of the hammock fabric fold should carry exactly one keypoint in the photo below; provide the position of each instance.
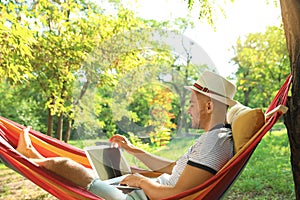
(214, 188)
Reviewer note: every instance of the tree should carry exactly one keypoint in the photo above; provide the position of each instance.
(16, 42)
(260, 56)
(116, 55)
(74, 40)
(22, 105)
(187, 69)
(66, 32)
(63, 41)
(290, 11)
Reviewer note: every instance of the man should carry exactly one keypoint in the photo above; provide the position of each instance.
(210, 98)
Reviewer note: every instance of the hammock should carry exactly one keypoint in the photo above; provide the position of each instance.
(214, 188)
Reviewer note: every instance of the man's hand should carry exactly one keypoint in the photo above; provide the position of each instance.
(123, 142)
(134, 180)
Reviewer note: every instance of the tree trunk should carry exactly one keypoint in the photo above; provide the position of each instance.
(68, 131)
(50, 123)
(290, 10)
(59, 127)
(181, 122)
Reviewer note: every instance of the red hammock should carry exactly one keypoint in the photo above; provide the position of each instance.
(214, 188)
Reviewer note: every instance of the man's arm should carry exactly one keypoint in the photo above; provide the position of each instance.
(191, 177)
(153, 162)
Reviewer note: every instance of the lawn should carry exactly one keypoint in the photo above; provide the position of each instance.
(267, 175)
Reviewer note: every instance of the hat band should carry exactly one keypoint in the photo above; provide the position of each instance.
(205, 89)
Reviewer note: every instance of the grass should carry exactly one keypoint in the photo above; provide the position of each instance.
(267, 175)
(2, 166)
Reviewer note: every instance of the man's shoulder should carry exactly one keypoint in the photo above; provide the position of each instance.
(220, 129)
(219, 133)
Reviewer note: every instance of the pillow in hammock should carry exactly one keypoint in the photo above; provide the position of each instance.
(245, 122)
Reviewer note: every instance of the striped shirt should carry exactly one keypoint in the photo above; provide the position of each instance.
(210, 152)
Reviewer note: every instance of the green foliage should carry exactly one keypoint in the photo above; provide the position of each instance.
(59, 52)
(263, 65)
(67, 39)
(20, 104)
(16, 41)
(152, 104)
(160, 137)
(111, 60)
(136, 141)
(268, 173)
(208, 10)
(92, 69)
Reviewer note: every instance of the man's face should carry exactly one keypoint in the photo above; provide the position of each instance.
(198, 110)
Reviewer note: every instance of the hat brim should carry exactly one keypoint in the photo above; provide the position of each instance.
(219, 98)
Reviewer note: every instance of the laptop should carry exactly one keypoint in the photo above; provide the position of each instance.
(110, 165)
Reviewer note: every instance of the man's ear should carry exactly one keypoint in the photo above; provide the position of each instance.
(210, 106)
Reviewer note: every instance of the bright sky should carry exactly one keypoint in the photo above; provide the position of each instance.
(242, 17)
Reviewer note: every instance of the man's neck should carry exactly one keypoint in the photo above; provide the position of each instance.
(220, 119)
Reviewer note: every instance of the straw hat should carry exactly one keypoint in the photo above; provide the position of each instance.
(216, 87)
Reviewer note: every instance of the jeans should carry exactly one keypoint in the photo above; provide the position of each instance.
(110, 192)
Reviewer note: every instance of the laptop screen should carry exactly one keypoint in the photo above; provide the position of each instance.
(107, 162)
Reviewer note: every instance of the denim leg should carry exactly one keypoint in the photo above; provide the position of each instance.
(106, 191)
